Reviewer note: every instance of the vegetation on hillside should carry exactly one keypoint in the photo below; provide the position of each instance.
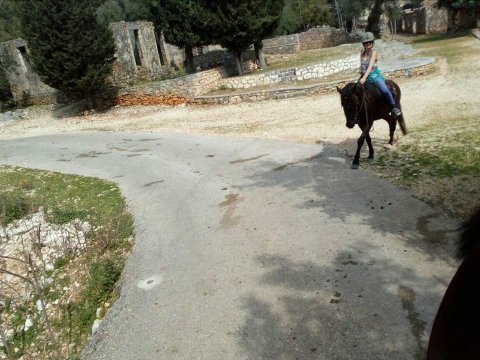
(47, 308)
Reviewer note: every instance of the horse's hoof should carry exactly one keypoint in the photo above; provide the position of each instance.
(354, 166)
(371, 160)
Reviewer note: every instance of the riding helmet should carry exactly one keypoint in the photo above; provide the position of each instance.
(367, 37)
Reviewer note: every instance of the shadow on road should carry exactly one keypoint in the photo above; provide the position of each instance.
(358, 307)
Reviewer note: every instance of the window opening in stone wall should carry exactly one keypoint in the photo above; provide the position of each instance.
(136, 48)
(25, 58)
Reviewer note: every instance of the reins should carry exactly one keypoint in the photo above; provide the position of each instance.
(363, 105)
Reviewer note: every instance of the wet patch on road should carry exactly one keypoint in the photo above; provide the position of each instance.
(92, 154)
(153, 183)
(283, 167)
(417, 326)
(229, 220)
(249, 159)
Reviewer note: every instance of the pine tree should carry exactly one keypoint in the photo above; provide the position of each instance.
(69, 50)
(184, 23)
(238, 24)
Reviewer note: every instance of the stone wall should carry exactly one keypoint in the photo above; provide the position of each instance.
(172, 92)
(425, 21)
(287, 44)
(323, 88)
(136, 54)
(26, 86)
(436, 21)
(313, 72)
(322, 37)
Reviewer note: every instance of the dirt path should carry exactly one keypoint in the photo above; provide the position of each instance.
(305, 119)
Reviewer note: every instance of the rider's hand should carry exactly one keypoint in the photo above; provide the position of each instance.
(362, 81)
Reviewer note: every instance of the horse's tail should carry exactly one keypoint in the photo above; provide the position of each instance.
(400, 119)
(401, 123)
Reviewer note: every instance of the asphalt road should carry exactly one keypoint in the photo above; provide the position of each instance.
(255, 249)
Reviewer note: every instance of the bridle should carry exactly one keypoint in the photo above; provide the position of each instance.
(363, 105)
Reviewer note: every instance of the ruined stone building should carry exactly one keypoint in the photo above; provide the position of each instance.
(25, 85)
(137, 55)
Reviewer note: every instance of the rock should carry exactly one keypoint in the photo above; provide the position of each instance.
(96, 325)
(28, 324)
(40, 306)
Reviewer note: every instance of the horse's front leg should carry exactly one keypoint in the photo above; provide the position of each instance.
(356, 159)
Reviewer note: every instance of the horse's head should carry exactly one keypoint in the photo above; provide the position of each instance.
(350, 103)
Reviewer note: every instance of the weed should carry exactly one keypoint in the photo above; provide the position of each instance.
(13, 206)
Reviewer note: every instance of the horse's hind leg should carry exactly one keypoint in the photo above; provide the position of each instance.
(392, 124)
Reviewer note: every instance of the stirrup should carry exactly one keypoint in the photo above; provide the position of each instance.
(396, 112)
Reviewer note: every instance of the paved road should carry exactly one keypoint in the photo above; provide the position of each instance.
(254, 249)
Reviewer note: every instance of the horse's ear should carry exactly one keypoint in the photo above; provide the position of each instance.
(339, 90)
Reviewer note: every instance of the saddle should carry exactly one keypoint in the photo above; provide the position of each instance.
(376, 93)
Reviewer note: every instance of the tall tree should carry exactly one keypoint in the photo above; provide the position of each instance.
(268, 15)
(184, 23)
(123, 10)
(69, 49)
(238, 24)
(9, 20)
(299, 15)
(373, 24)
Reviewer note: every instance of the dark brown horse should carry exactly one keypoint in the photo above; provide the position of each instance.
(362, 105)
(456, 329)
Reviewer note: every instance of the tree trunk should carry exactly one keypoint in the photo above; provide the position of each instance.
(259, 54)
(374, 18)
(238, 62)
(89, 99)
(189, 66)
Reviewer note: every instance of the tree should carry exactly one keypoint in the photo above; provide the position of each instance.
(374, 18)
(184, 23)
(9, 20)
(298, 15)
(123, 10)
(268, 14)
(69, 49)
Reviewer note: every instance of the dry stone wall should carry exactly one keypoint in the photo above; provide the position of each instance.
(287, 44)
(322, 37)
(171, 92)
(313, 72)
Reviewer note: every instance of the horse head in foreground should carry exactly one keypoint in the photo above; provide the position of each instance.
(362, 105)
(456, 329)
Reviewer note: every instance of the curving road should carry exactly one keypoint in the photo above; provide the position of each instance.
(255, 249)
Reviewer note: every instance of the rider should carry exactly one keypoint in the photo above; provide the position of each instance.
(370, 72)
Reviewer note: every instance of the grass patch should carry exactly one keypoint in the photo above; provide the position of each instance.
(80, 282)
(440, 163)
(454, 47)
(310, 57)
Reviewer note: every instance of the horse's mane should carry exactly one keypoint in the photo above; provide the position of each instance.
(470, 238)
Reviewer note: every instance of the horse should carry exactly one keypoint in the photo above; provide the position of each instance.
(362, 105)
(456, 329)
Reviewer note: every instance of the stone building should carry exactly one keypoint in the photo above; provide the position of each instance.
(425, 20)
(137, 55)
(25, 85)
